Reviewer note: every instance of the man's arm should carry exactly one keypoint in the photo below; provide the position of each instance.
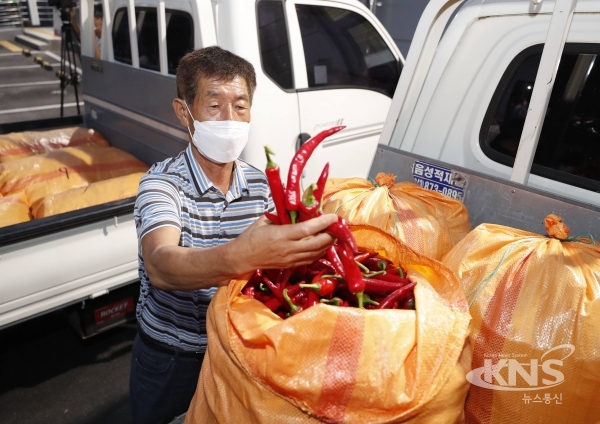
(260, 246)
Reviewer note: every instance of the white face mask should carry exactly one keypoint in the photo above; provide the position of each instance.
(219, 141)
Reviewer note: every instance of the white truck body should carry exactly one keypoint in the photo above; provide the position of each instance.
(464, 65)
(56, 261)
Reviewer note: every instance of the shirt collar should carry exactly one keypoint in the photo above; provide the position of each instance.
(239, 184)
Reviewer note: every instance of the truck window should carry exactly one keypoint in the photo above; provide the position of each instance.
(120, 37)
(343, 49)
(275, 54)
(180, 37)
(147, 30)
(569, 147)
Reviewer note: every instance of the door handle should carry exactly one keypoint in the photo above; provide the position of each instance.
(301, 139)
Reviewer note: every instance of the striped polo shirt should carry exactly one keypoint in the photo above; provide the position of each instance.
(177, 193)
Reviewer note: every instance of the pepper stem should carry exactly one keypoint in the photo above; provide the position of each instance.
(373, 274)
(270, 163)
(401, 272)
(293, 216)
(286, 296)
(310, 197)
(314, 286)
(335, 301)
(361, 266)
(360, 298)
(332, 276)
(368, 301)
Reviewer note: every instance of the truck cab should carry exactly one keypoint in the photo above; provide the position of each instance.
(319, 64)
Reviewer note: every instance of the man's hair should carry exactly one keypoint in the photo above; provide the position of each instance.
(214, 63)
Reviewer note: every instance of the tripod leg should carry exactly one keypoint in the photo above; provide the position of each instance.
(63, 50)
(73, 73)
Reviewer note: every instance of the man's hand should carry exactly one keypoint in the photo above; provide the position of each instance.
(267, 246)
(261, 246)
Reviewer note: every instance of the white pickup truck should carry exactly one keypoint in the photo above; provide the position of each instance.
(456, 124)
(319, 63)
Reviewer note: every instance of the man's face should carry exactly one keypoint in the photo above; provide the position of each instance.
(218, 100)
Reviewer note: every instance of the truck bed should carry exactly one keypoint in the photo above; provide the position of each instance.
(492, 200)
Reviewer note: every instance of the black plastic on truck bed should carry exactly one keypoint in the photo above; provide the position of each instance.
(41, 124)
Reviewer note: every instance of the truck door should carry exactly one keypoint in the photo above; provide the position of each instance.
(347, 67)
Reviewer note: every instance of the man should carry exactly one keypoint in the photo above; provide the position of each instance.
(200, 223)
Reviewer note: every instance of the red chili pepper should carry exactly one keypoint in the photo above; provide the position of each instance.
(321, 265)
(340, 231)
(276, 291)
(273, 218)
(277, 191)
(311, 299)
(273, 304)
(360, 257)
(353, 276)
(309, 207)
(321, 182)
(292, 197)
(249, 290)
(395, 296)
(375, 264)
(382, 286)
(322, 286)
(290, 298)
(392, 278)
(336, 262)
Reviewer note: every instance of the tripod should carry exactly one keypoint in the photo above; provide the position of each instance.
(68, 55)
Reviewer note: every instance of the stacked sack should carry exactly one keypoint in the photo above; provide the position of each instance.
(535, 303)
(428, 222)
(27, 143)
(77, 169)
(339, 364)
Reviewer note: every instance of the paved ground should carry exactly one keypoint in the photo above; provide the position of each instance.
(28, 91)
(50, 375)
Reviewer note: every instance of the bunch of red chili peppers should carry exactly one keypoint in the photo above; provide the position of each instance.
(344, 276)
(287, 292)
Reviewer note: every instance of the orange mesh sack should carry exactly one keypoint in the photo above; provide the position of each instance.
(14, 209)
(336, 364)
(83, 197)
(429, 222)
(43, 175)
(21, 144)
(535, 303)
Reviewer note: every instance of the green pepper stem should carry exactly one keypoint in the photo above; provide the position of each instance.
(293, 216)
(263, 288)
(314, 286)
(373, 274)
(361, 266)
(270, 163)
(368, 301)
(335, 301)
(382, 264)
(286, 296)
(401, 272)
(332, 276)
(310, 198)
(360, 297)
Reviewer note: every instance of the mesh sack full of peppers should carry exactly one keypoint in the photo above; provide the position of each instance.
(282, 349)
(345, 276)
